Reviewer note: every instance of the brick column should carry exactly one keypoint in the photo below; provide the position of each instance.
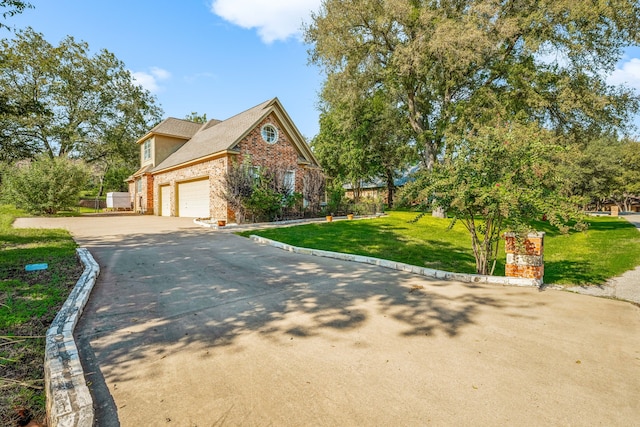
(525, 259)
(149, 193)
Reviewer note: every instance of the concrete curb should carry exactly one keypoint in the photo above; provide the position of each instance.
(423, 271)
(275, 224)
(69, 402)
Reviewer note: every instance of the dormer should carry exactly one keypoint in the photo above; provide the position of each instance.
(164, 139)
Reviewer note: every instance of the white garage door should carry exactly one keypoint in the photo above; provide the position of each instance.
(193, 199)
(165, 200)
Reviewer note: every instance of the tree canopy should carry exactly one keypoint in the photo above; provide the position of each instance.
(450, 63)
(63, 101)
(196, 118)
(363, 142)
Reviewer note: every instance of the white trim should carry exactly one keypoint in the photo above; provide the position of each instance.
(264, 133)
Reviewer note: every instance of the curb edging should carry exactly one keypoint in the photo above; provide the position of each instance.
(69, 402)
(394, 265)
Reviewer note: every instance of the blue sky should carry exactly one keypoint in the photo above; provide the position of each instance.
(217, 57)
(193, 59)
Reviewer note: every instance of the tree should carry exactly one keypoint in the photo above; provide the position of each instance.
(12, 7)
(500, 176)
(237, 186)
(196, 118)
(457, 69)
(78, 105)
(445, 62)
(628, 174)
(45, 185)
(361, 142)
(593, 171)
(313, 188)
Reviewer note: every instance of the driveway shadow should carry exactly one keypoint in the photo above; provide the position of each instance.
(174, 290)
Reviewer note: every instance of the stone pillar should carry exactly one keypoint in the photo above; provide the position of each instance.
(525, 259)
(614, 210)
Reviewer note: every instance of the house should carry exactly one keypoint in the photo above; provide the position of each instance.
(182, 163)
(376, 188)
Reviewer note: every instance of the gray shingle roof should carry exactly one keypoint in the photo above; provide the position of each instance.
(215, 137)
(176, 127)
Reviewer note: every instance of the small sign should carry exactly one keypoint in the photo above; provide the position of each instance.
(36, 267)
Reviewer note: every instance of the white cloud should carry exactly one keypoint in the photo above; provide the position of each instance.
(274, 19)
(628, 74)
(151, 80)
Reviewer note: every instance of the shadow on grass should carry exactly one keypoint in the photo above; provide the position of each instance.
(386, 241)
(581, 273)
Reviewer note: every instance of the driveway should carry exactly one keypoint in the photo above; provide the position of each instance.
(193, 327)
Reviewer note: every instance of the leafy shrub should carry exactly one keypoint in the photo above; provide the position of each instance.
(45, 185)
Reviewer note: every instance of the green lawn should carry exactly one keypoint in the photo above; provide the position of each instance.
(28, 303)
(609, 247)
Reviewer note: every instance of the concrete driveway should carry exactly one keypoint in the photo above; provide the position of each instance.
(193, 327)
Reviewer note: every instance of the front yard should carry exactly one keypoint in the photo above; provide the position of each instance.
(608, 248)
(28, 303)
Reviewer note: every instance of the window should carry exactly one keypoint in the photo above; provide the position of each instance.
(146, 150)
(269, 134)
(254, 172)
(139, 186)
(290, 181)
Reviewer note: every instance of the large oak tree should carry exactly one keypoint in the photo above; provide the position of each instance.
(459, 69)
(64, 101)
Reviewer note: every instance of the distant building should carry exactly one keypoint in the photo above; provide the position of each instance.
(377, 187)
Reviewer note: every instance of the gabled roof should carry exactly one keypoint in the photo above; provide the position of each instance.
(178, 128)
(220, 136)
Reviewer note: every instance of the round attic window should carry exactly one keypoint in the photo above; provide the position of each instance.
(269, 133)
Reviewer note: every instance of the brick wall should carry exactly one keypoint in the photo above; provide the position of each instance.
(211, 169)
(142, 200)
(281, 154)
(525, 258)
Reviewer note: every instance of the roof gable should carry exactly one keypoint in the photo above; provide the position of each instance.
(222, 136)
(171, 126)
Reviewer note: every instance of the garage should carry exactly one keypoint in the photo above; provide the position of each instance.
(193, 199)
(165, 200)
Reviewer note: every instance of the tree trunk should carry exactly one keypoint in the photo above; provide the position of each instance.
(390, 188)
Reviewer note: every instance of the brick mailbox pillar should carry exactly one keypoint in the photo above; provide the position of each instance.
(526, 258)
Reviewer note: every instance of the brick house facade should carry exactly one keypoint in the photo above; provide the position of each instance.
(183, 163)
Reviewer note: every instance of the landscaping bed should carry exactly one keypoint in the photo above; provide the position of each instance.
(29, 301)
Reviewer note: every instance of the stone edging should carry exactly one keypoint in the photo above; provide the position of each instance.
(239, 227)
(69, 402)
(423, 271)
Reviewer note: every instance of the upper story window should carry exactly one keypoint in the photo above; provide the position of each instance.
(146, 150)
(269, 133)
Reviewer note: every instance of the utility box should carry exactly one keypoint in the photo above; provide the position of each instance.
(118, 201)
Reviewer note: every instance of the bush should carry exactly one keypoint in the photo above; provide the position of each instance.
(262, 194)
(45, 185)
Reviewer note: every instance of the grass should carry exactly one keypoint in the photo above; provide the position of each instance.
(28, 303)
(608, 248)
